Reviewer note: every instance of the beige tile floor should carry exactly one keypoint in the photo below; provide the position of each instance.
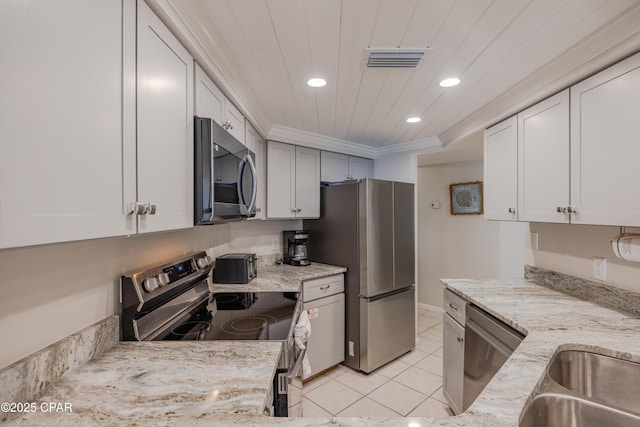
(410, 386)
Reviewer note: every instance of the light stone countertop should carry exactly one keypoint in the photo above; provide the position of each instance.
(551, 320)
(281, 278)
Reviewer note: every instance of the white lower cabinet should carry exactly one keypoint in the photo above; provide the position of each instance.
(293, 181)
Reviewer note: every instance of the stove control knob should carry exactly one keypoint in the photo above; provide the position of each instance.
(204, 261)
(209, 259)
(150, 284)
(163, 279)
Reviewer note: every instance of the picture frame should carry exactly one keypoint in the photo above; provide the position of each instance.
(466, 198)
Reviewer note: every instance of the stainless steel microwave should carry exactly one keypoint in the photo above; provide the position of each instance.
(225, 175)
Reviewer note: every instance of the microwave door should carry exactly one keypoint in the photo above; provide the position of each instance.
(247, 185)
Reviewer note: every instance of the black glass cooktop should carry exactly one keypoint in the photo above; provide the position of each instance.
(251, 315)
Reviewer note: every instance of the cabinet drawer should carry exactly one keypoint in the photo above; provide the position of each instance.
(454, 306)
(318, 288)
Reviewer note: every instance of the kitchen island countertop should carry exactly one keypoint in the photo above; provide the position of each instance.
(552, 320)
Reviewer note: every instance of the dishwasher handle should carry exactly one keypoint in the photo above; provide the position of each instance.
(500, 335)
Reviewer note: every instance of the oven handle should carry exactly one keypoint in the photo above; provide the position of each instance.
(295, 370)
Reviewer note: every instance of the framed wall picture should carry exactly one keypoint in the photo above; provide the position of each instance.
(466, 198)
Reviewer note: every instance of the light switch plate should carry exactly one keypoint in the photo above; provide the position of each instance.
(599, 268)
(534, 240)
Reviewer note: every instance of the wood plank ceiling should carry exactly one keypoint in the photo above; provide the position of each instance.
(274, 46)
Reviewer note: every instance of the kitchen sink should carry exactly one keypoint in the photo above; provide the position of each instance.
(581, 388)
(558, 410)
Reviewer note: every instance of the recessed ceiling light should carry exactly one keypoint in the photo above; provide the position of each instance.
(316, 82)
(453, 81)
(413, 119)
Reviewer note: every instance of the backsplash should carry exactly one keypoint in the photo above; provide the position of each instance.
(609, 296)
(24, 379)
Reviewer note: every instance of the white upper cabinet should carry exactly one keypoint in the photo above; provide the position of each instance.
(543, 159)
(605, 128)
(255, 143)
(210, 102)
(337, 167)
(359, 168)
(293, 181)
(501, 171)
(165, 126)
(61, 124)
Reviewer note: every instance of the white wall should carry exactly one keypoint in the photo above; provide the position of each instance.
(51, 291)
(570, 249)
(460, 246)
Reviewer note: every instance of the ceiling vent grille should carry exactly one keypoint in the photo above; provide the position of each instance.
(395, 58)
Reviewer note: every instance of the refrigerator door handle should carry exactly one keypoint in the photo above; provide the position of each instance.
(388, 294)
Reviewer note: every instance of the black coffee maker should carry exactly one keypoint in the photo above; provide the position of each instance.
(294, 251)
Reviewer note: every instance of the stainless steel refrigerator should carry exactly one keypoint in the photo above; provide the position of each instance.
(368, 227)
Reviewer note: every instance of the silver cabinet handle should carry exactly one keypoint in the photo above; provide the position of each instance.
(561, 209)
(136, 208)
(151, 208)
(325, 287)
(299, 210)
(572, 209)
(294, 210)
(453, 306)
(460, 340)
(512, 210)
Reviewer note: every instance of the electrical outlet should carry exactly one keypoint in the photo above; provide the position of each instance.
(534, 240)
(599, 268)
(275, 244)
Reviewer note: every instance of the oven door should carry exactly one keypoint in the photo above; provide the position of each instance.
(287, 389)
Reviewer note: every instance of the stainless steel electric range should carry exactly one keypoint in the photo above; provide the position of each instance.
(172, 301)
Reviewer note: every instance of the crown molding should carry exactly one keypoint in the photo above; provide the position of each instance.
(610, 44)
(314, 140)
(214, 58)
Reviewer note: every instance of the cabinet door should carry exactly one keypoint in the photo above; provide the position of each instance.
(61, 124)
(307, 180)
(165, 125)
(501, 171)
(236, 121)
(604, 146)
(261, 195)
(453, 356)
(359, 168)
(543, 159)
(334, 167)
(250, 136)
(254, 142)
(209, 100)
(281, 160)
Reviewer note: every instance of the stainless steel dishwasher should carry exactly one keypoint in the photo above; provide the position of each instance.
(488, 344)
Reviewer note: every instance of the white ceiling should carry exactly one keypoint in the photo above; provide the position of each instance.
(508, 53)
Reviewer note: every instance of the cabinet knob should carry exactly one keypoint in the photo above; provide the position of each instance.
(136, 208)
(299, 210)
(572, 209)
(561, 209)
(460, 340)
(512, 210)
(294, 210)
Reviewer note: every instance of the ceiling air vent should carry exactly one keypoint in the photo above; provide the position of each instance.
(395, 58)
